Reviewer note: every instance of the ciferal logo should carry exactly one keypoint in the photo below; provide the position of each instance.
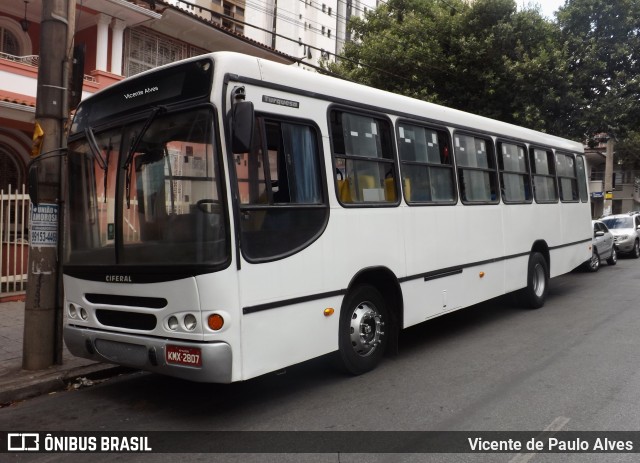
(119, 279)
(23, 442)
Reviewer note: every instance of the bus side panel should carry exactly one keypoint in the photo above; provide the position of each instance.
(431, 298)
(444, 239)
(515, 273)
(482, 282)
(353, 241)
(276, 338)
(567, 258)
(576, 226)
(218, 293)
(524, 224)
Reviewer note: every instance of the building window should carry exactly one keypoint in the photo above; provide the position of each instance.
(10, 44)
(13, 40)
(145, 49)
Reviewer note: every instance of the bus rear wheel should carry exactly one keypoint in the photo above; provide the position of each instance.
(362, 334)
(535, 293)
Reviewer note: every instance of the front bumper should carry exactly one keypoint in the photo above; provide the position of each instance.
(147, 353)
(624, 245)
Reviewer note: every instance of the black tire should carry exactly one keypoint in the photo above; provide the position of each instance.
(363, 336)
(535, 294)
(613, 258)
(593, 265)
(636, 250)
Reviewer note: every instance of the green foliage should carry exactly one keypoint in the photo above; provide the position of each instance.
(573, 77)
(484, 57)
(628, 151)
(603, 42)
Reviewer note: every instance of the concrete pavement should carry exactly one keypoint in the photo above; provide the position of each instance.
(18, 384)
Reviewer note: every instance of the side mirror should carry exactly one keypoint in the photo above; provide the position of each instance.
(43, 174)
(242, 123)
(33, 183)
(599, 233)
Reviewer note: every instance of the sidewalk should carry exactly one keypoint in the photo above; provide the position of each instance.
(18, 384)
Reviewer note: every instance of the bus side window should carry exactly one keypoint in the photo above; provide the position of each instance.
(426, 166)
(282, 200)
(544, 175)
(363, 153)
(567, 177)
(476, 169)
(514, 173)
(582, 180)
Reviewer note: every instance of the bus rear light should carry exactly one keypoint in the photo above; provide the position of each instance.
(215, 322)
(172, 323)
(190, 322)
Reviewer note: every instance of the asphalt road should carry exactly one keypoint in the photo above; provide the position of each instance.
(572, 366)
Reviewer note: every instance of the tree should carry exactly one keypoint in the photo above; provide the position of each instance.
(485, 57)
(603, 42)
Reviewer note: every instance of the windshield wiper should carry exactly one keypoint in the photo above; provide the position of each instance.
(103, 163)
(128, 163)
(95, 149)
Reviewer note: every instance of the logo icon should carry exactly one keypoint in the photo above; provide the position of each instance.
(23, 442)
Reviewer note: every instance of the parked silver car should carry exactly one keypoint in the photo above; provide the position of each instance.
(603, 247)
(626, 232)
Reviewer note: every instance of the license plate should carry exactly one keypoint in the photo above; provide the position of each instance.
(189, 356)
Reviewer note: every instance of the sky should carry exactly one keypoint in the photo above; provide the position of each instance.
(548, 7)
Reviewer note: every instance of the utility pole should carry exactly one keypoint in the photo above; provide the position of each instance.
(42, 344)
(608, 177)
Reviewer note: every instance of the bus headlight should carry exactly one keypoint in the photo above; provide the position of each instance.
(83, 313)
(190, 322)
(73, 311)
(172, 323)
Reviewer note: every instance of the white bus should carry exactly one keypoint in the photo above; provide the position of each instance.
(229, 216)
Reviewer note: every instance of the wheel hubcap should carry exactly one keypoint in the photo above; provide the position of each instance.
(539, 280)
(366, 329)
(595, 261)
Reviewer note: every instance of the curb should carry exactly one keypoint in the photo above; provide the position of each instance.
(27, 388)
(19, 297)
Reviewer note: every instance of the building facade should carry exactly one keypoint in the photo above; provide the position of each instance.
(310, 30)
(121, 38)
(625, 192)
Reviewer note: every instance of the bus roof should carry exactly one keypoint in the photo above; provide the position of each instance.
(294, 79)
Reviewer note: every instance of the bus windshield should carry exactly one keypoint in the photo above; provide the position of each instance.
(147, 192)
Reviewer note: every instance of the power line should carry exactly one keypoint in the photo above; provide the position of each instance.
(299, 60)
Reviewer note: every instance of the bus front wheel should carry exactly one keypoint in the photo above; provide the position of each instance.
(535, 293)
(364, 330)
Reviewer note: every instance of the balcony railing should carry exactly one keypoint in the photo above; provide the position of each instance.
(33, 61)
(29, 60)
